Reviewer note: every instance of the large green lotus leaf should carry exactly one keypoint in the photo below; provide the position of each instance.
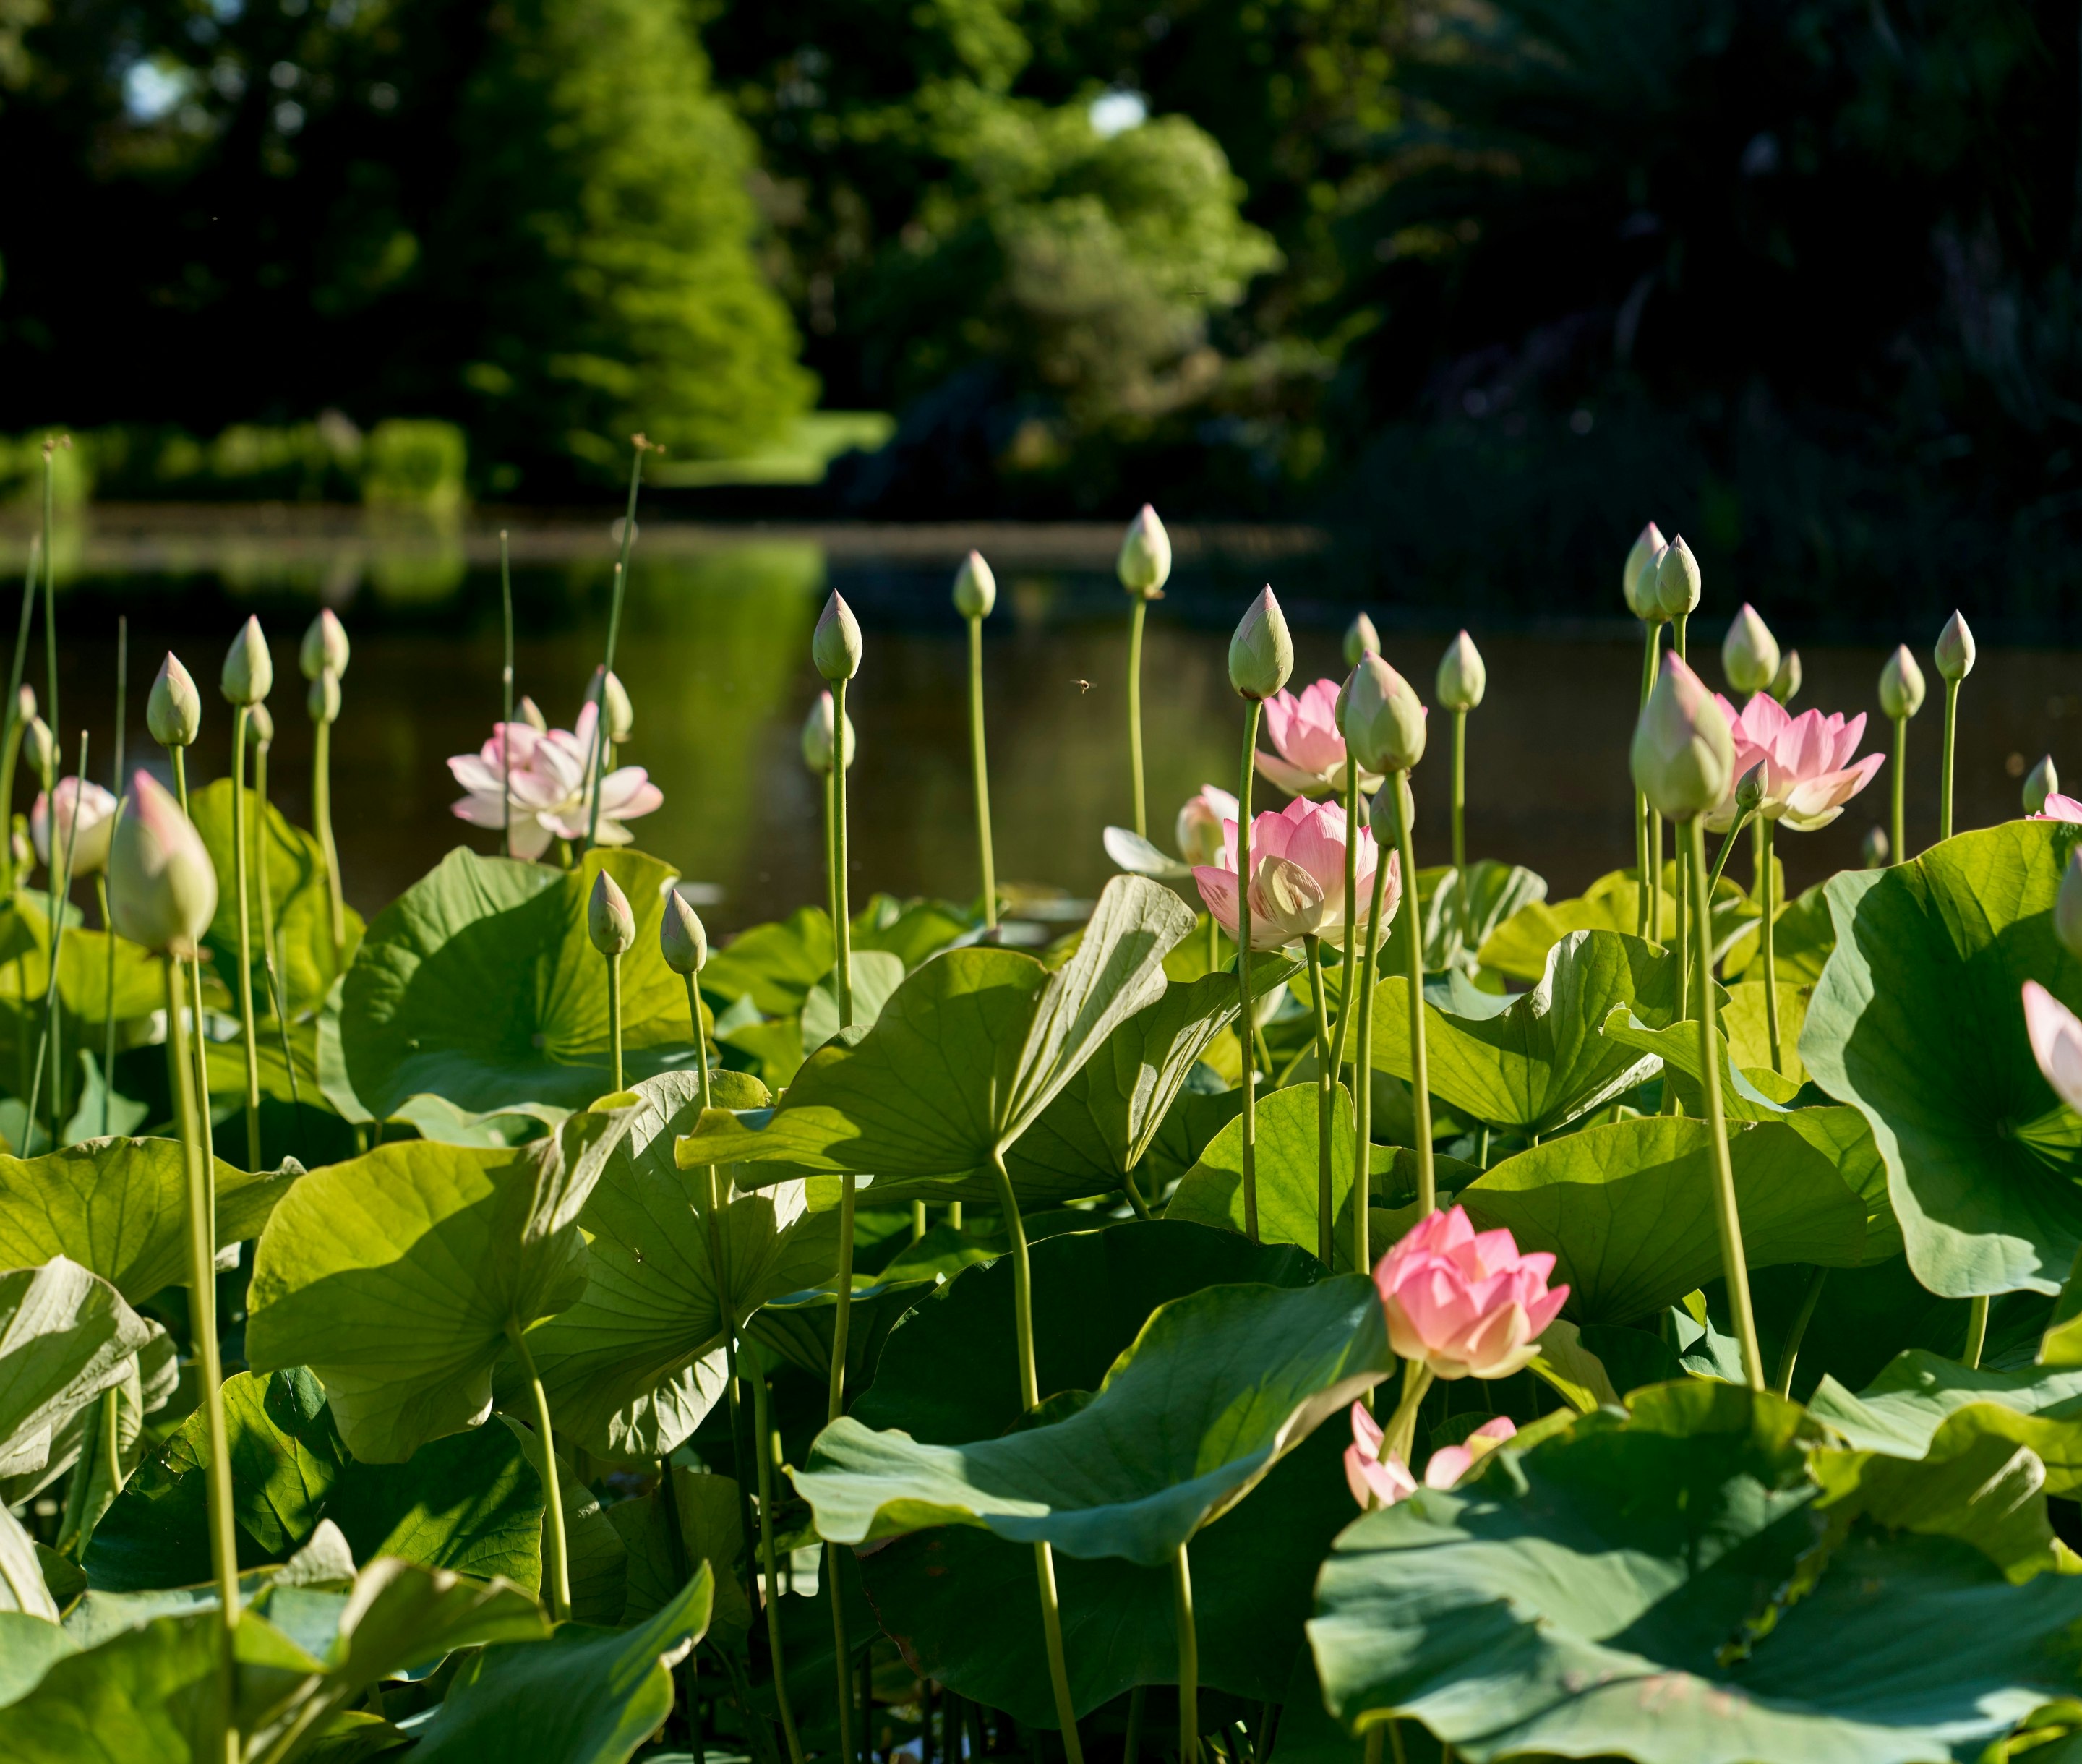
(478, 984)
(635, 1363)
(965, 1056)
(776, 964)
(1219, 1385)
(1627, 1209)
(1746, 1023)
(598, 1562)
(875, 974)
(1901, 1410)
(1916, 1022)
(1544, 1062)
(65, 1336)
(1519, 948)
(29, 1647)
(1802, 935)
(119, 1207)
(150, 1380)
(1288, 1171)
(1624, 1587)
(586, 1696)
(1462, 913)
(396, 1276)
(22, 1588)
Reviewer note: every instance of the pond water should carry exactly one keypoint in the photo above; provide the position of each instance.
(715, 654)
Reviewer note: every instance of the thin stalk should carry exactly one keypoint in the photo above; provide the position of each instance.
(178, 755)
(1789, 1355)
(54, 1026)
(599, 750)
(1189, 1658)
(557, 1565)
(842, 923)
(1245, 1025)
(834, 1408)
(1325, 1100)
(1420, 1095)
(831, 867)
(1644, 926)
(101, 878)
(259, 833)
(1363, 1078)
(614, 1016)
(1398, 1439)
(322, 815)
(1136, 1700)
(506, 719)
(1898, 853)
(1734, 1264)
(738, 1466)
(982, 775)
(1727, 845)
(112, 1446)
(11, 720)
(1768, 936)
(50, 604)
(1977, 1331)
(278, 1002)
(202, 1291)
(1653, 911)
(1945, 764)
(240, 864)
(762, 1426)
(1460, 793)
(700, 1041)
(1347, 975)
(1135, 623)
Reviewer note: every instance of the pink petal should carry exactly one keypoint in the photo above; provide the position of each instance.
(2056, 1042)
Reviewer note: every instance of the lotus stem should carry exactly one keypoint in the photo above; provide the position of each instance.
(556, 1569)
(596, 757)
(10, 725)
(111, 1444)
(1734, 1264)
(1768, 935)
(1349, 973)
(202, 1307)
(1325, 1097)
(1189, 1659)
(322, 814)
(241, 863)
(1898, 853)
(1653, 911)
(738, 1466)
(278, 1002)
(614, 1016)
(1645, 855)
(506, 688)
(1460, 792)
(1944, 763)
(834, 1408)
(1137, 1698)
(101, 878)
(762, 1426)
(1727, 845)
(842, 922)
(1789, 1355)
(258, 834)
(982, 774)
(1362, 1081)
(178, 755)
(1245, 1027)
(1977, 1331)
(1398, 1439)
(1420, 1096)
(1135, 618)
(53, 1024)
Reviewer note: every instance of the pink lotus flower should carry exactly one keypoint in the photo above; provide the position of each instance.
(2060, 807)
(1376, 1481)
(1807, 771)
(1297, 861)
(1311, 761)
(1200, 823)
(546, 785)
(87, 817)
(2056, 1042)
(1464, 1303)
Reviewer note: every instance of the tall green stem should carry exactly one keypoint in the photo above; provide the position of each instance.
(1420, 1094)
(1135, 623)
(1945, 764)
(1977, 1331)
(1325, 1100)
(61, 896)
(1734, 1264)
(258, 838)
(982, 774)
(1727, 845)
(1644, 922)
(842, 925)
(556, 1562)
(1899, 852)
(596, 756)
(1768, 935)
(1348, 974)
(614, 1016)
(1460, 794)
(178, 755)
(1790, 1355)
(101, 878)
(834, 1408)
(1243, 1023)
(1189, 1659)
(506, 686)
(1363, 1078)
(322, 815)
(763, 1427)
(240, 864)
(11, 720)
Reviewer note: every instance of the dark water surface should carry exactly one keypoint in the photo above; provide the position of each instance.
(715, 654)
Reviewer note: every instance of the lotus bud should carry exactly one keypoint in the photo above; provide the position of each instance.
(1261, 652)
(1636, 582)
(621, 713)
(609, 923)
(1383, 722)
(1145, 564)
(1361, 638)
(975, 589)
(1385, 828)
(531, 713)
(1955, 654)
(249, 670)
(2040, 782)
(1749, 653)
(18, 841)
(835, 646)
(817, 736)
(43, 748)
(325, 647)
(162, 888)
(2067, 904)
(25, 704)
(1677, 582)
(1786, 684)
(1683, 756)
(173, 712)
(322, 700)
(1749, 790)
(1875, 850)
(262, 724)
(680, 936)
(1462, 677)
(1901, 684)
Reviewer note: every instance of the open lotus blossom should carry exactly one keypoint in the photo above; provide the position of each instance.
(87, 817)
(546, 781)
(1311, 760)
(1803, 763)
(2060, 807)
(1297, 861)
(1200, 823)
(2056, 1042)
(1376, 1481)
(1464, 1303)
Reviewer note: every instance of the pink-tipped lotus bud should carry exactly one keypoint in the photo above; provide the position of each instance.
(975, 589)
(1901, 684)
(1361, 638)
(1677, 582)
(1749, 653)
(1683, 756)
(835, 646)
(173, 712)
(531, 713)
(1463, 679)
(817, 736)
(681, 939)
(1145, 564)
(621, 713)
(1955, 654)
(609, 923)
(42, 747)
(162, 889)
(2040, 782)
(325, 648)
(86, 818)
(1637, 580)
(322, 700)
(1786, 684)
(25, 704)
(249, 670)
(1262, 651)
(1384, 720)
(1873, 852)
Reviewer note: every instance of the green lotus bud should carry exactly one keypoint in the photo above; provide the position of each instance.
(42, 747)
(322, 700)
(621, 713)
(1955, 654)
(975, 589)
(1874, 850)
(1383, 823)
(1786, 684)
(1361, 638)
(1683, 757)
(262, 724)
(835, 646)
(680, 936)
(1749, 790)
(610, 924)
(2067, 906)
(162, 888)
(1677, 583)
(2040, 782)
(1463, 679)
(325, 647)
(1901, 684)
(531, 713)
(173, 710)
(25, 704)
(1262, 651)
(1636, 572)
(1145, 564)
(249, 670)
(817, 736)
(1749, 653)
(1384, 721)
